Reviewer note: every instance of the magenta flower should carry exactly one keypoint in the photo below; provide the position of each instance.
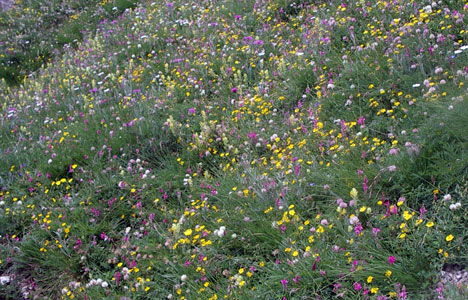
(252, 136)
(402, 295)
(284, 282)
(358, 229)
(391, 260)
(357, 286)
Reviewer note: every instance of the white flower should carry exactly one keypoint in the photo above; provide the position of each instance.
(447, 197)
(183, 277)
(427, 9)
(353, 220)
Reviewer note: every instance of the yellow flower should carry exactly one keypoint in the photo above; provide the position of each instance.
(407, 215)
(430, 224)
(369, 279)
(449, 237)
(353, 193)
(388, 273)
(374, 290)
(188, 232)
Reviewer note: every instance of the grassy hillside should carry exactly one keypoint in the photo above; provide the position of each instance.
(239, 150)
(33, 32)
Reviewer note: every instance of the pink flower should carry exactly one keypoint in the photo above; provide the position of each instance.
(375, 231)
(391, 260)
(357, 286)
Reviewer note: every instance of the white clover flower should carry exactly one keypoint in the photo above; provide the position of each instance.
(353, 220)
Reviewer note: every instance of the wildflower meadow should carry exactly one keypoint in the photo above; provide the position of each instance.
(238, 149)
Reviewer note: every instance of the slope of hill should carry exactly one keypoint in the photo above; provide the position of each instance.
(33, 32)
(242, 150)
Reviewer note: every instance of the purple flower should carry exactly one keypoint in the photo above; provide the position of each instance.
(104, 236)
(375, 231)
(402, 295)
(258, 42)
(284, 282)
(361, 121)
(357, 286)
(252, 135)
(422, 210)
(391, 260)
